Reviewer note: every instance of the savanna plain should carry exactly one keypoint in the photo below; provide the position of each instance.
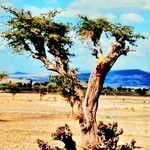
(26, 118)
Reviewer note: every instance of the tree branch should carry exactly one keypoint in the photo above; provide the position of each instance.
(48, 65)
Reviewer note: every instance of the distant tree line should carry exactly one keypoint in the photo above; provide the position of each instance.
(58, 85)
(125, 91)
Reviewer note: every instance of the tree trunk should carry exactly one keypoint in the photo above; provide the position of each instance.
(13, 94)
(90, 102)
(72, 110)
(90, 105)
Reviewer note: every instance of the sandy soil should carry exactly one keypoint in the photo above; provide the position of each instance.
(26, 118)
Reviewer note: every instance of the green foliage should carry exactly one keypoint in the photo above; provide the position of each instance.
(26, 30)
(39, 88)
(43, 89)
(13, 87)
(97, 25)
(103, 25)
(141, 92)
(63, 85)
(3, 86)
(93, 28)
(126, 32)
(36, 88)
(3, 75)
(121, 89)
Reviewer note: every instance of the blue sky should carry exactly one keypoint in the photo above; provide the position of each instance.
(129, 12)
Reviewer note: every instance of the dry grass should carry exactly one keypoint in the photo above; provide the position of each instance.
(26, 118)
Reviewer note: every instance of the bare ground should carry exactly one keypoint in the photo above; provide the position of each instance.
(26, 118)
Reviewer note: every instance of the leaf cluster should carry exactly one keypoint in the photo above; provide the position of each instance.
(63, 84)
(26, 29)
(98, 26)
(126, 33)
(40, 88)
(3, 75)
(3, 86)
(13, 87)
(141, 92)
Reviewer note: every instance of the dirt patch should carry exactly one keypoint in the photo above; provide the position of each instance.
(25, 119)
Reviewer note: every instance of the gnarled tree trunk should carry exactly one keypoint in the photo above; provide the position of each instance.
(90, 102)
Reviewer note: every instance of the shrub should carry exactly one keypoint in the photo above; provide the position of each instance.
(141, 92)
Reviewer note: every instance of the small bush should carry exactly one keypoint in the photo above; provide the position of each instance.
(141, 92)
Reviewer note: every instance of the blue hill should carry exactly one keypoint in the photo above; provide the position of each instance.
(128, 72)
(115, 78)
(19, 73)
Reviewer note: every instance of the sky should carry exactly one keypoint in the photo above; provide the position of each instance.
(128, 12)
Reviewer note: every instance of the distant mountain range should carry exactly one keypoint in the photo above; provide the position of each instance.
(19, 73)
(127, 78)
(115, 78)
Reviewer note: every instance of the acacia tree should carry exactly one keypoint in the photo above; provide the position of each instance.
(13, 88)
(65, 87)
(41, 89)
(42, 35)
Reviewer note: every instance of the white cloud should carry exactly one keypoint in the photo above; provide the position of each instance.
(72, 11)
(96, 8)
(111, 16)
(68, 13)
(131, 18)
(93, 13)
(37, 11)
(146, 5)
(144, 46)
(102, 4)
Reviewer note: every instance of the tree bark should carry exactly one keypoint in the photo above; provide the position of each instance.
(90, 105)
(90, 102)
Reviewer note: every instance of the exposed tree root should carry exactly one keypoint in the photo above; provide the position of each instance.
(108, 135)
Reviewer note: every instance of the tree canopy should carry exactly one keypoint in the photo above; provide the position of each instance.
(93, 28)
(39, 35)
